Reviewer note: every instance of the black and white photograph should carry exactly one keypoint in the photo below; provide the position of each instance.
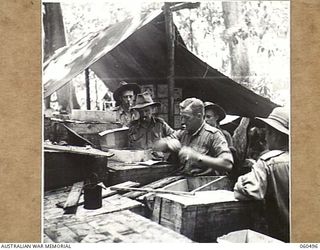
(166, 122)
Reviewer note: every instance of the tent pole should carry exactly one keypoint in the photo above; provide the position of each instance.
(170, 34)
(86, 72)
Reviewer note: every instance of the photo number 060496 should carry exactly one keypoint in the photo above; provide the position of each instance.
(166, 121)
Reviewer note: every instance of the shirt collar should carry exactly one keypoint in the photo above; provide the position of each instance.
(198, 130)
(121, 110)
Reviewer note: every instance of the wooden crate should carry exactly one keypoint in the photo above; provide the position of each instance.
(54, 130)
(209, 214)
(246, 236)
(91, 131)
(130, 156)
(93, 115)
(178, 183)
(90, 127)
(120, 172)
(62, 169)
(114, 138)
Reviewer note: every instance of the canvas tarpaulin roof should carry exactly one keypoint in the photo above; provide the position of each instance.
(135, 51)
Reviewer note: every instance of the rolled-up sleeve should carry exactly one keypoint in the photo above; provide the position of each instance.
(252, 185)
(220, 147)
(176, 134)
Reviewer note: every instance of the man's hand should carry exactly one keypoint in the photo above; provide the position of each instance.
(166, 144)
(187, 153)
(174, 145)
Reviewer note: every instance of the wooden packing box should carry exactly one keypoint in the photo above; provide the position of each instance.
(177, 183)
(62, 169)
(206, 183)
(91, 127)
(209, 213)
(246, 236)
(114, 138)
(144, 174)
(93, 115)
(54, 130)
(91, 131)
(130, 156)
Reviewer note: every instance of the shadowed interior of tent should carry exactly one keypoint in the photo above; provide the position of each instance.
(115, 54)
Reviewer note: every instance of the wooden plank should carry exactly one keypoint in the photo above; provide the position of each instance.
(70, 205)
(163, 212)
(78, 136)
(93, 115)
(106, 192)
(77, 150)
(221, 184)
(124, 155)
(189, 222)
(115, 203)
(180, 185)
(151, 190)
(114, 138)
(185, 6)
(156, 184)
(208, 184)
(139, 173)
(90, 128)
(195, 182)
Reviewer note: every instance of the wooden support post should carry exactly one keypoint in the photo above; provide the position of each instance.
(170, 33)
(86, 72)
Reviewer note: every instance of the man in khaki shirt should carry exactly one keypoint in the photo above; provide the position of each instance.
(269, 177)
(147, 129)
(201, 148)
(125, 97)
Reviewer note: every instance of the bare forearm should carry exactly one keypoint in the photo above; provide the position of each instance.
(167, 144)
(218, 164)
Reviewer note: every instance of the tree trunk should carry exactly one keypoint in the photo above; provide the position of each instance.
(237, 46)
(55, 39)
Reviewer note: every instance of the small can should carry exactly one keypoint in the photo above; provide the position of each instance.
(92, 196)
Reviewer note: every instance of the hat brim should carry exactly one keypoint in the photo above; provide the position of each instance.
(140, 106)
(217, 109)
(130, 86)
(275, 124)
